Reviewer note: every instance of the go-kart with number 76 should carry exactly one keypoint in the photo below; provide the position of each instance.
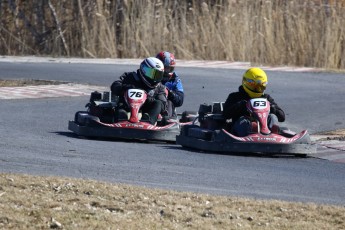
(103, 120)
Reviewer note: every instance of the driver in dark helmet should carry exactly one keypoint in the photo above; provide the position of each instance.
(148, 78)
(172, 82)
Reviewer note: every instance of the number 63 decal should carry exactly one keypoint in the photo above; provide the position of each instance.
(259, 103)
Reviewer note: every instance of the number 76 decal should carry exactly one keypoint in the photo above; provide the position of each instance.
(135, 93)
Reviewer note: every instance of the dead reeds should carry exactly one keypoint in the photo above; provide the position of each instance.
(297, 33)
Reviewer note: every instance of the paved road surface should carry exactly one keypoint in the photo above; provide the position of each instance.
(34, 137)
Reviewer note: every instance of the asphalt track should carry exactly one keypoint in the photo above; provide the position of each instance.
(34, 138)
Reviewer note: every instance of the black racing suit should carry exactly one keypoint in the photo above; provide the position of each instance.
(156, 96)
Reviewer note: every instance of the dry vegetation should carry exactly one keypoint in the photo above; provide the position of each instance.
(26, 82)
(280, 32)
(31, 202)
(332, 135)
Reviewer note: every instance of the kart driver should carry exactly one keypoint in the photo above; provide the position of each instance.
(148, 78)
(254, 83)
(172, 82)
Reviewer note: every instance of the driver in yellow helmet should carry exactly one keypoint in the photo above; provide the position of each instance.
(254, 83)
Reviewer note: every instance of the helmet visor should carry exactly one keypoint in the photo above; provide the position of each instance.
(153, 74)
(169, 69)
(256, 86)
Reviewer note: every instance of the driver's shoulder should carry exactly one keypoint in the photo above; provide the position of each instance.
(267, 96)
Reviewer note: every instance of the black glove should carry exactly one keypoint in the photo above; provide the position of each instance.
(171, 95)
(150, 99)
(128, 86)
(273, 109)
(150, 93)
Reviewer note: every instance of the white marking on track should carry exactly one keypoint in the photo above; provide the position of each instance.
(46, 91)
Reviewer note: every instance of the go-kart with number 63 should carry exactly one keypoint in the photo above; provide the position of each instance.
(212, 135)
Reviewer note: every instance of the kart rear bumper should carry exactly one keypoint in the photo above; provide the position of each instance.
(221, 141)
(98, 130)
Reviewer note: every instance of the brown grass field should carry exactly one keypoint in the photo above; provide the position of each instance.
(32, 202)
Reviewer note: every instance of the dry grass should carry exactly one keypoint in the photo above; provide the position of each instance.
(299, 33)
(26, 82)
(338, 134)
(32, 202)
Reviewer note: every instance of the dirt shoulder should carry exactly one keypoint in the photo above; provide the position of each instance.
(27, 82)
(338, 135)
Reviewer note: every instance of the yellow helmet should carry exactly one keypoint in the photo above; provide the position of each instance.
(254, 82)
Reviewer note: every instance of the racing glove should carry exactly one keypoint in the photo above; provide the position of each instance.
(171, 95)
(150, 92)
(150, 99)
(273, 109)
(128, 86)
(150, 96)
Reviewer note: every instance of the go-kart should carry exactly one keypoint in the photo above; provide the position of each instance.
(213, 134)
(101, 119)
